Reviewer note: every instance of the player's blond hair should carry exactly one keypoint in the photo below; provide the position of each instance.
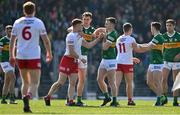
(29, 8)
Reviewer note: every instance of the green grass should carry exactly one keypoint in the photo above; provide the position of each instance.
(58, 107)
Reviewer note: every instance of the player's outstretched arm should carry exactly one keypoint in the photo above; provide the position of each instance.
(141, 48)
(90, 44)
(47, 45)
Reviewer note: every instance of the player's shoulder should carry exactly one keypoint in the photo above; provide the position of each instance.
(177, 33)
(3, 38)
(92, 28)
(38, 21)
(19, 20)
(71, 34)
(164, 34)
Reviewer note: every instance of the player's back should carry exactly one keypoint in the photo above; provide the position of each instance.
(124, 49)
(28, 31)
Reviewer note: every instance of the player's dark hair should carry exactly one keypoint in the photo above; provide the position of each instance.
(29, 7)
(173, 22)
(156, 25)
(87, 14)
(76, 21)
(127, 26)
(112, 20)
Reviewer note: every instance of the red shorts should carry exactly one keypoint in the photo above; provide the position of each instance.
(68, 65)
(125, 68)
(29, 64)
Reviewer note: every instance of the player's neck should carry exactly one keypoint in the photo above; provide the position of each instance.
(29, 16)
(127, 34)
(156, 33)
(75, 31)
(171, 32)
(110, 30)
(86, 26)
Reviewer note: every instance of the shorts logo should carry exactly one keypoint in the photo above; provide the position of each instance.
(157, 67)
(38, 64)
(6, 66)
(130, 69)
(62, 68)
(112, 65)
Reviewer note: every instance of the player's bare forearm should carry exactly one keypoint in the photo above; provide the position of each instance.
(12, 47)
(90, 44)
(141, 48)
(47, 45)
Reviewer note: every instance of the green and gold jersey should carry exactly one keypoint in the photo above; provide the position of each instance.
(87, 36)
(110, 53)
(156, 56)
(171, 46)
(4, 43)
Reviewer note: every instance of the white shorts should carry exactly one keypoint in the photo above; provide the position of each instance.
(81, 64)
(172, 65)
(108, 64)
(6, 67)
(155, 67)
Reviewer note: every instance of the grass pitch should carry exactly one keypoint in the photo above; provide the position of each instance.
(58, 107)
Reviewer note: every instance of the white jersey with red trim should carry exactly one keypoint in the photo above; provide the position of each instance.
(27, 31)
(73, 38)
(124, 49)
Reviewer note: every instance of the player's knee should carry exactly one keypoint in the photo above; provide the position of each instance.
(72, 84)
(149, 83)
(99, 80)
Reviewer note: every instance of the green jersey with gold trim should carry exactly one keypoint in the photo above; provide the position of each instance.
(110, 53)
(171, 46)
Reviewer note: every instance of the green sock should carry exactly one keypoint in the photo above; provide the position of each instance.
(114, 99)
(106, 95)
(3, 97)
(175, 99)
(78, 98)
(12, 96)
(158, 98)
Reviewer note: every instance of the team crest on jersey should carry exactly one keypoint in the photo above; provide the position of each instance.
(70, 42)
(110, 38)
(122, 39)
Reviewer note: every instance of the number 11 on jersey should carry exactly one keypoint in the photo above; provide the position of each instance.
(122, 48)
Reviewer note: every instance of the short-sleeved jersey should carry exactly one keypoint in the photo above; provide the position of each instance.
(110, 53)
(125, 50)
(28, 31)
(4, 43)
(156, 56)
(171, 46)
(87, 36)
(73, 38)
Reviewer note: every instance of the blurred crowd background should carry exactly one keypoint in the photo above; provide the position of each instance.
(57, 16)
